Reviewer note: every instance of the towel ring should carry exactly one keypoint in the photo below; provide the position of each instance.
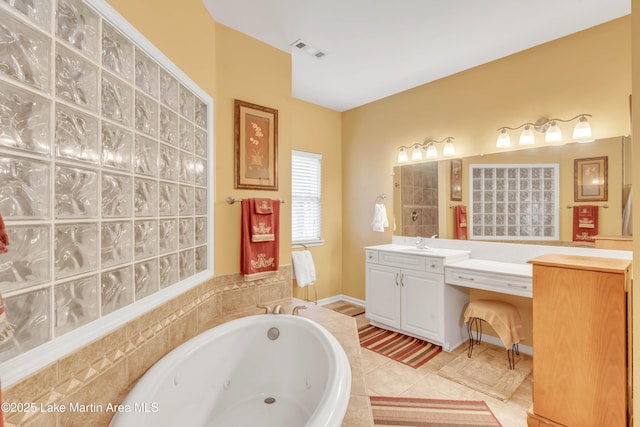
(381, 196)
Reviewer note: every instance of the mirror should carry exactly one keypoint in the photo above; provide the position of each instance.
(423, 205)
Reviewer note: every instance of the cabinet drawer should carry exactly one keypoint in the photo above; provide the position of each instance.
(503, 283)
(434, 265)
(372, 256)
(392, 259)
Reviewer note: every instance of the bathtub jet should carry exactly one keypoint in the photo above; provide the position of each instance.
(237, 375)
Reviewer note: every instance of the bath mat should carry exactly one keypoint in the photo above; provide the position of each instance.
(487, 371)
(410, 351)
(403, 411)
(346, 308)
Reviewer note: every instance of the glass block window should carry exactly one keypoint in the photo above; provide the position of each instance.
(105, 154)
(514, 202)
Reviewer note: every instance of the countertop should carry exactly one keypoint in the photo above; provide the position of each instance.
(412, 250)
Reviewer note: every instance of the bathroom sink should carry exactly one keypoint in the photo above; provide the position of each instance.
(429, 251)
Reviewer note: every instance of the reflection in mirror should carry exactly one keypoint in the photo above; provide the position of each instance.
(416, 199)
(414, 192)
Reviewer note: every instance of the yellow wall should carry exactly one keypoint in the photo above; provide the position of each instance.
(319, 130)
(587, 72)
(260, 74)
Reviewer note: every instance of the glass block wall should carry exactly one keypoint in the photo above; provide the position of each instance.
(514, 202)
(103, 170)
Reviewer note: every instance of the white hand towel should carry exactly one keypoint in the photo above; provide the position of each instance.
(303, 268)
(380, 220)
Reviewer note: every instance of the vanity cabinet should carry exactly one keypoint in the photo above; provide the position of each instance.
(580, 340)
(405, 293)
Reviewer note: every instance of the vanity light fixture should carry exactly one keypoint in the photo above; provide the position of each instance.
(550, 128)
(431, 152)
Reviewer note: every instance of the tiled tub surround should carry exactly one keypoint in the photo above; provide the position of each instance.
(106, 369)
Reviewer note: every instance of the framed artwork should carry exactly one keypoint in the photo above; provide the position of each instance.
(456, 179)
(256, 146)
(590, 179)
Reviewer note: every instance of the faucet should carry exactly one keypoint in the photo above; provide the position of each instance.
(267, 309)
(278, 309)
(434, 236)
(297, 308)
(420, 243)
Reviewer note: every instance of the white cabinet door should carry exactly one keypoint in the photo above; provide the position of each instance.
(422, 304)
(383, 294)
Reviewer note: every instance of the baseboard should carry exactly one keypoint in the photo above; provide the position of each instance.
(341, 297)
(498, 342)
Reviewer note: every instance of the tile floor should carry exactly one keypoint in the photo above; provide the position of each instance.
(386, 377)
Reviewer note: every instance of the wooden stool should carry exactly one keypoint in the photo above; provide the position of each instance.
(503, 318)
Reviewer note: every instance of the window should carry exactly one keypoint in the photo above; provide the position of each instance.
(306, 203)
(514, 202)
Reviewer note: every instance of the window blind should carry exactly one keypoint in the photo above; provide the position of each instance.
(306, 180)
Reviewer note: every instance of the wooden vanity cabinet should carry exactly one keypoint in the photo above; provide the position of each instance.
(579, 341)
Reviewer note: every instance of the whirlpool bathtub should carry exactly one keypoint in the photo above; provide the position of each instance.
(265, 370)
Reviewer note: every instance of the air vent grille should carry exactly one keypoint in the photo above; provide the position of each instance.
(307, 48)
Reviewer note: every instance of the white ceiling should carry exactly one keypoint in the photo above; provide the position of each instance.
(376, 48)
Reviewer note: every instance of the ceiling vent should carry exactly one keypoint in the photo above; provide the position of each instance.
(305, 47)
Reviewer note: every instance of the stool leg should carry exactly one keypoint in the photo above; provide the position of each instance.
(478, 325)
(511, 355)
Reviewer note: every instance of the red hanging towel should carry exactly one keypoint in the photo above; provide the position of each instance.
(4, 237)
(6, 330)
(460, 222)
(585, 223)
(257, 257)
(262, 221)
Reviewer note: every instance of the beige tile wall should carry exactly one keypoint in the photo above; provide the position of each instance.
(105, 370)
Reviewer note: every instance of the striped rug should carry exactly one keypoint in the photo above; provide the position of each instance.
(411, 351)
(404, 411)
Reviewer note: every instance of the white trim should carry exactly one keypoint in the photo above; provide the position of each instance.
(302, 243)
(341, 297)
(306, 154)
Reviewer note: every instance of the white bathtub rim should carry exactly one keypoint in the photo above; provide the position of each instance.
(331, 407)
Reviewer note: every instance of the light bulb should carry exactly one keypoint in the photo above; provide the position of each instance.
(554, 134)
(449, 149)
(432, 153)
(503, 139)
(402, 156)
(582, 131)
(527, 137)
(416, 154)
